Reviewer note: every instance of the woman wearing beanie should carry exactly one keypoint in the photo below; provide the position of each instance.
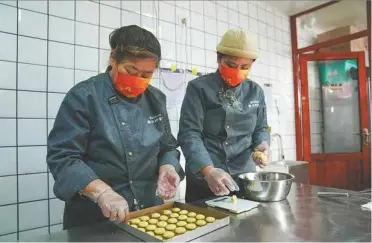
(111, 150)
(223, 121)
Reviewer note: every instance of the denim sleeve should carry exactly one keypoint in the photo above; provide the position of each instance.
(67, 143)
(261, 131)
(190, 133)
(168, 153)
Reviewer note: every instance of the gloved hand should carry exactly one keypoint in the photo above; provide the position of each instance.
(220, 182)
(113, 206)
(168, 182)
(262, 155)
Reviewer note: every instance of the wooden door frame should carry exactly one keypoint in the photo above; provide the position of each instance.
(364, 154)
(295, 63)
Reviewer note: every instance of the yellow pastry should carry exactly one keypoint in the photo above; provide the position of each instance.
(180, 230)
(167, 212)
(183, 212)
(158, 237)
(176, 210)
(190, 226)
(168, 234)
(142, 229)
(170, 227)
(172, 221)
(174, 215)
(182, 217)
(201, 223)
(200, 216)
(191, 214)
(153, 221)
(145, 218)
(143, 224)
(159, 231)
(210, 219)
(155, 215)
(234, 199)
(150, 233)
(134, 226)
(135, 221)
(151, 227)
(191, 220)
(161, 224)
(181, 223)
(163, 218)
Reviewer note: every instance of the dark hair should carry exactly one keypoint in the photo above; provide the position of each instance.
(133, 41)
(220, 56)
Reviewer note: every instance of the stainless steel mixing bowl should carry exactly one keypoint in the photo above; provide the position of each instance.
(265, 186)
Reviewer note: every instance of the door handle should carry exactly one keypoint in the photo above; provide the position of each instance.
(365, 136)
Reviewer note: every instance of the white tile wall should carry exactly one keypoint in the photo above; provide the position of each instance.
(49, 46)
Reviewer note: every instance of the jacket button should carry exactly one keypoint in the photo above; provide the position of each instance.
(130, 182)
(226, 143)
(227, 126)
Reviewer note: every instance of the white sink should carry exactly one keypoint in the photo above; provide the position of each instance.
(297, 168)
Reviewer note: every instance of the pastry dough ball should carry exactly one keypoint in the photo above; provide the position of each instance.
(180, 230)
(210, 219)
(143, 224)
(168, 234)
(151, 227)
(145, 218)
(191, 220)
(161, 224)
(153, 221)
(172, 221)
(176, 210)
(183, 212)
(190, 226)
(182, 217)
(174, 215)
(201, 223)
(167, 212)
(163, 218)
(150, 233)
(191, 214)
(135, 221)
(181, 223)
(134, 226)
(170, 227)
(155, 215)
(158, 237)
(159, 231)
(142, 229)
(200, 216)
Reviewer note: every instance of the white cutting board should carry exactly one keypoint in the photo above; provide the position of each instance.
(242, 205)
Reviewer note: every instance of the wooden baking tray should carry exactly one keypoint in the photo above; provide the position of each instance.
(222, 220)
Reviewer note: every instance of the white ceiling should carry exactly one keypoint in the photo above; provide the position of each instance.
(292, 7)
(343, 13)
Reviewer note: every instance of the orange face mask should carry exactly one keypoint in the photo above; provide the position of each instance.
(129, 85)
(232, 76)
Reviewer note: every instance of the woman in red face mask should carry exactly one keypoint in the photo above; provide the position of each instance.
(223, 122)
(111, 149)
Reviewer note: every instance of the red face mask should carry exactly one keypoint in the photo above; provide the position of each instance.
(130, 86)
(232, 76)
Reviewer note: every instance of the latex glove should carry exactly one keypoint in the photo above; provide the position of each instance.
(220, 182)
(262, 155)
(113, 206)
(168, 182)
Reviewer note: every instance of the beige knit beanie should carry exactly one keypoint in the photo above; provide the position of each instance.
(238, 44)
